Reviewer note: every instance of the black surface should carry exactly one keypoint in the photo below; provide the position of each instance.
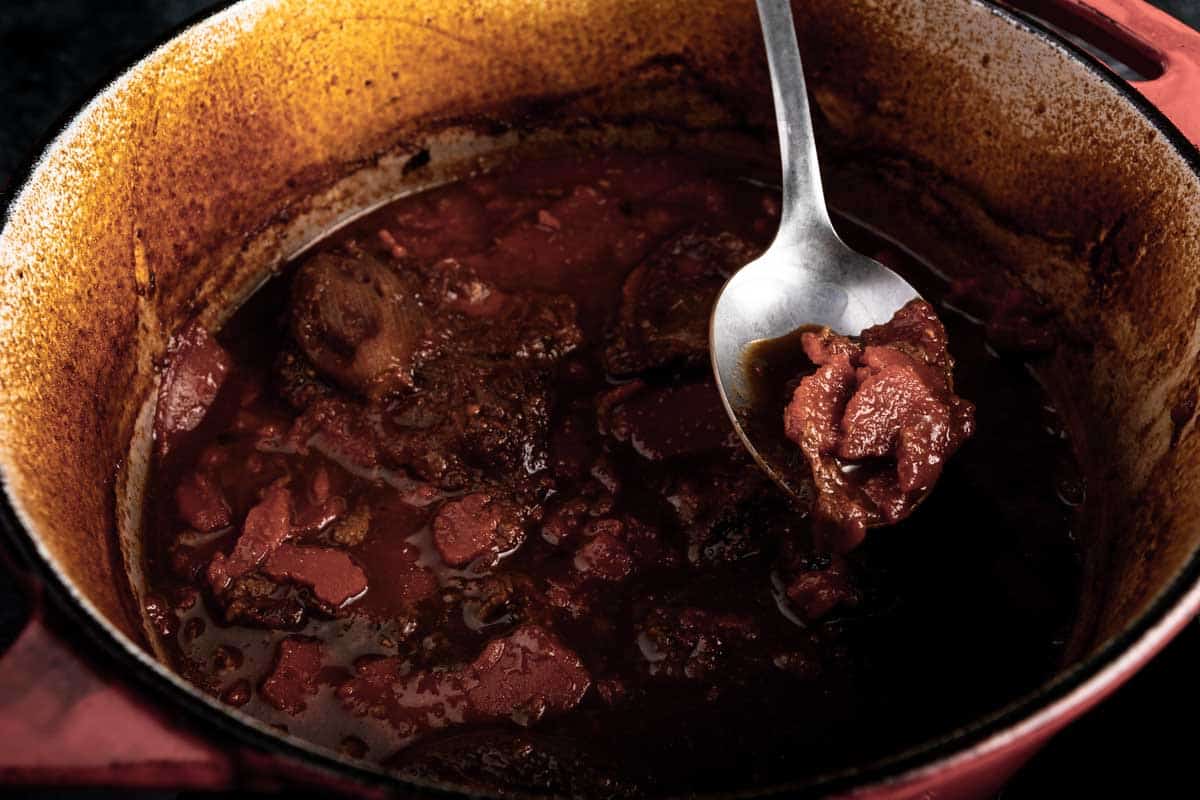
(55, 54)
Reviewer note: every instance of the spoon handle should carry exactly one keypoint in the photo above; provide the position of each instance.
(803, 200)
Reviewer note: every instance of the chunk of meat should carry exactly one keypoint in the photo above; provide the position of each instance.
(504, 596)
(505, 428)
(461, 291)
(573, 443)
(617, 546)
(521, 677)
(613, 691)
(267, 526)
(415, 704)
(293, 678)
(478, 524)
(525, 325)
(340, 430)
(813, 417)
(606, 557)
(587, 235)
(472, 416)
(311, 517)
(196, 370)
(357, 321)
(693, 643)
(823, 346)
(667, 300)
(670, 422)
(298, 381)
(255, 602)
(525, 676)
(889, 403)
(574, 595)
(916, 331)
(727, 513)
(896, 412)
(201, 503)
(819, 585)
(319, 507)
(479, 399)
(333, 577)
(539, 328)
(565, 519)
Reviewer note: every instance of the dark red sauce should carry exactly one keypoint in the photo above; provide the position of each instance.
(485, 521)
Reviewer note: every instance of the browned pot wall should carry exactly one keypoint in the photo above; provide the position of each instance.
(140, 213)
(227, 148)
(978, 144)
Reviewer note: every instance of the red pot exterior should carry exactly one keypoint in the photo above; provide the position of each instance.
(1149, 36)
(983, 771)
(66, 720)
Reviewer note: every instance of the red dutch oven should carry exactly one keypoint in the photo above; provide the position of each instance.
(967, 127)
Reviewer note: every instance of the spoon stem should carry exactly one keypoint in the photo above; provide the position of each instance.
(803, 199)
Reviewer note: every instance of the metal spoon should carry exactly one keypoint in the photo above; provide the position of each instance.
(808, 276)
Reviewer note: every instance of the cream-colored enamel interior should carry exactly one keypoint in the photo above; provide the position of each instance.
(228, 148)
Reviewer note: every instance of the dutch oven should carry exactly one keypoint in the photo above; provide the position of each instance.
(175, 191)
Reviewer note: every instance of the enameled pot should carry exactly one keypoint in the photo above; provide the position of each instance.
(212, 160)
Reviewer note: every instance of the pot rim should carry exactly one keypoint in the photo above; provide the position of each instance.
(1051, 704)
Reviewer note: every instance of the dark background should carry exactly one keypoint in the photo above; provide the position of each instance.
(53, 55)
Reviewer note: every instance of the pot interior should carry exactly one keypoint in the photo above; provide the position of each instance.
(946, 124)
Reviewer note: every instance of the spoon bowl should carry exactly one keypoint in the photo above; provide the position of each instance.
(808, 276)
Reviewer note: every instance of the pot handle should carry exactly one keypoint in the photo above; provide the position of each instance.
(66, 721)
(1146, 35)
